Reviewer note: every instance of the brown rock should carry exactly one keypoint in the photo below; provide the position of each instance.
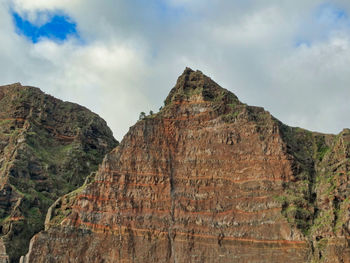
(207, 179)
(4, 258)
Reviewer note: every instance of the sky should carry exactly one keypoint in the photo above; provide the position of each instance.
(121, 57)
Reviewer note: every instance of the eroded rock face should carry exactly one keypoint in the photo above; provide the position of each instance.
(47, 149)
(207, 179)
(4, 258)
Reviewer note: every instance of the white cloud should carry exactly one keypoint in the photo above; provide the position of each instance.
(317, 85)
(43, 4)
(133, 51)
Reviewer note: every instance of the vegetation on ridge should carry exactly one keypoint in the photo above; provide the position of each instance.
(47, 148)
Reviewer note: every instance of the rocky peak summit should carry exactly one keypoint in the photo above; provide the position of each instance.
(194, 85)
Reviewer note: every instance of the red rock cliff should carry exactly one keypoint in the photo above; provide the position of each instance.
(207, 179)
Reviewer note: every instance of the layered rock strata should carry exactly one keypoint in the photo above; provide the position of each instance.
(207, 179)
(47, 149)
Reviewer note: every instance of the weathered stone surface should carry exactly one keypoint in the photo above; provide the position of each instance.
(4, 258)
(47, 149)
(207, 179)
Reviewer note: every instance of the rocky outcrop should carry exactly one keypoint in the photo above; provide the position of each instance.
(4, 258)
(207, 179)
(47, 149)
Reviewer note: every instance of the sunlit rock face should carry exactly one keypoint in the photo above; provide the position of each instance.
(47, 149)
(207, 179)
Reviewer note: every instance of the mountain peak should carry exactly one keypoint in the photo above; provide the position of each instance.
(207, 178)
(188, 71)
(193, 86)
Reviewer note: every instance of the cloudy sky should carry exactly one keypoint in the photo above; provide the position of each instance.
(121, 57)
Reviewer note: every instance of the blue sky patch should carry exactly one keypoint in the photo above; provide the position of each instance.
(331, 15)
(169, 11)
(302, 43)
(58, 28)
(325, 20)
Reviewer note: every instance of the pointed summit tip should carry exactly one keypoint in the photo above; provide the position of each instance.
(194, 85)
(187, 71)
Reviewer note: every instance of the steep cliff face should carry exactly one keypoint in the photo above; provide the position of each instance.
(47, 149)
(207, 179)
(330, 231)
